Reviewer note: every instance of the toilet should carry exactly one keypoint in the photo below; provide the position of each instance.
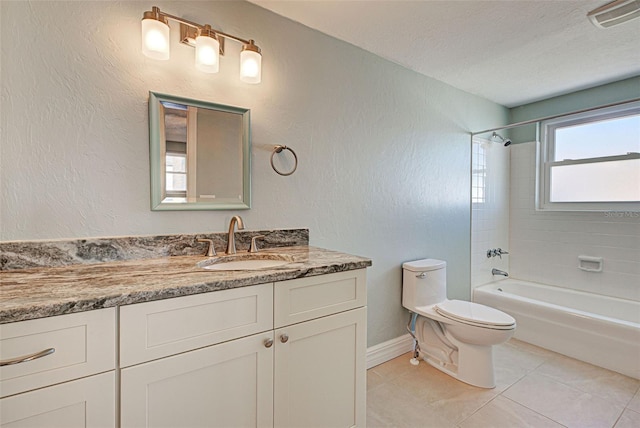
(454, 336)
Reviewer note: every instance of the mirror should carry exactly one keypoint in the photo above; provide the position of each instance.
(200, 155)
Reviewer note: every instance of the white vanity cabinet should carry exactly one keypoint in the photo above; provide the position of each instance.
(284, 354)
(72, 383)
(320, 353)
(198, 361)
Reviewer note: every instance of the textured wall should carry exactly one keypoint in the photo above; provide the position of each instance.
(384, 152)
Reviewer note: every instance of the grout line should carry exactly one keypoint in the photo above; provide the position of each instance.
(534, 411)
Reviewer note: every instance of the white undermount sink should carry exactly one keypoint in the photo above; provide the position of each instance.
(246, 262)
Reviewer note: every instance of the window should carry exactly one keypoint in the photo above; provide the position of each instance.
(478, 173)
(591, 161)
(176, 177)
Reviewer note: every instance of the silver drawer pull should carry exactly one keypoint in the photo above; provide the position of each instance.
(26, 358)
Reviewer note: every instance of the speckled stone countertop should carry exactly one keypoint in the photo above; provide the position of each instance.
(43, 292)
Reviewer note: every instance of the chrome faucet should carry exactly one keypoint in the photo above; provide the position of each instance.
(495, 271)
(231, 239)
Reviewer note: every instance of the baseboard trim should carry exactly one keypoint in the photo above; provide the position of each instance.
(385, 351)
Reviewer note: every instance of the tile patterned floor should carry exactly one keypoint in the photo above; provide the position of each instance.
(535, 388)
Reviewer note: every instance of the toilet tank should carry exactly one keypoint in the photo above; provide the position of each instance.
(424, 282)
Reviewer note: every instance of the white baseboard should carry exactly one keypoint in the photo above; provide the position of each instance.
(385, 351)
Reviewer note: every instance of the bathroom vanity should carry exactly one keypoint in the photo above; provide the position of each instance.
(162, 342)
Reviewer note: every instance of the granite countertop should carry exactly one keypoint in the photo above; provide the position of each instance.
(43, 292)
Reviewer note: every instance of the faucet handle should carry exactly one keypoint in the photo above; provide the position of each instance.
(253, 248)
(500, 252)
(211, 251)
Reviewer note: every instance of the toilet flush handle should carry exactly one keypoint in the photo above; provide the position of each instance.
(422, 275)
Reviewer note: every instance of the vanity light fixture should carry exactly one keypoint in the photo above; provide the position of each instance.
(209, 44)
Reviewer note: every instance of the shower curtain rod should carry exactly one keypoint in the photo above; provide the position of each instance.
(527, 122)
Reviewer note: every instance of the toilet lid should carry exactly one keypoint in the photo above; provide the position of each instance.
(473, 313)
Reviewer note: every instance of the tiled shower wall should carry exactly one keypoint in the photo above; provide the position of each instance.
(490, 209)
(545, 246)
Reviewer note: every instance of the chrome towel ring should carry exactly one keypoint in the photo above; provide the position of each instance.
(278, 149)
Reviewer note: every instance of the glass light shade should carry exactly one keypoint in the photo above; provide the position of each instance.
(155, 39)
(207, 54)
(250, 66)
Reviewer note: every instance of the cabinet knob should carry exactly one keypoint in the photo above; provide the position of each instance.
(284, 338)
(268, 343)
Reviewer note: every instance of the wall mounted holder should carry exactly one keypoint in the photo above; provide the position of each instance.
(590, 264)
(279, 149)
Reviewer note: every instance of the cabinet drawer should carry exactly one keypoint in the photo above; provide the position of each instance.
(303, 299)
(157, 329)
(84, 344)
(88, 402)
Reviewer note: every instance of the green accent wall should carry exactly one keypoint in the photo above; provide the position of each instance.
(621, 90)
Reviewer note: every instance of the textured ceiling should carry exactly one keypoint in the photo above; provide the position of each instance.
(512, 52)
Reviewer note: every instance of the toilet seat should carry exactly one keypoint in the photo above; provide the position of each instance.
(475, 314)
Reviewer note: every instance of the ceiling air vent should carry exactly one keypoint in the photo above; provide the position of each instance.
(615, 13)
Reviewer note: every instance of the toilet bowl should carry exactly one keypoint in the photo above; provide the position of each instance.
(454, 336)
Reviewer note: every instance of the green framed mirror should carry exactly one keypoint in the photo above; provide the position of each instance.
(200, 155)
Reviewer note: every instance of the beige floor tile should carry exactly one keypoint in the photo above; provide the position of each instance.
(389, 405)
(373, 380)
(461, 406)
(562, 403)
(517, 354)
(430, 385)
(543, 353)
(629, 419)
(512, 363)
(374, 422)
(453, 400)
(634, 404)
(504, 413)
(588, 378)
(535, 387)
(506, 376)
(395, 367)
(419, 380)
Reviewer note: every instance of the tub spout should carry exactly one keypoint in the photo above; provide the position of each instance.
(495, 271)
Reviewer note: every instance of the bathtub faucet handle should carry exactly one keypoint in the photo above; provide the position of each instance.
(500, 252)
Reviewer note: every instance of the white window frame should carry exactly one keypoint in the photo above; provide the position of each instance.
(545, 159)
(479, 170)
(176, 193)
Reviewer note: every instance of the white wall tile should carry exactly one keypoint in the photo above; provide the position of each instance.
(545, 245)
(490, 220)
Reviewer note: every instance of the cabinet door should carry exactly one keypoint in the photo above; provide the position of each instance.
(88, 402)
(320, 374)
(225, 385)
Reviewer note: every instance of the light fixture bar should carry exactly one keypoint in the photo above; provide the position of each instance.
(188, 36)
(252, 54)
(195, 25)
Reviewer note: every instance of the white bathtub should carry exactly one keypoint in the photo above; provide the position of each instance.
(600, 330)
